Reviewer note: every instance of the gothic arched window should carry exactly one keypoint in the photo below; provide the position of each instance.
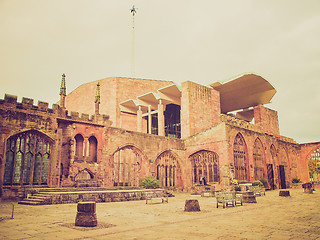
(240, 158)
(205, 163)
(167, 167)
(27, 159)
(79, 147)
(127, 162)
(93, 145)
(258, 159)
(314, 164)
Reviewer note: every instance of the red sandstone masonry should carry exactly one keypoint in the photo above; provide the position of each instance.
(200, 108)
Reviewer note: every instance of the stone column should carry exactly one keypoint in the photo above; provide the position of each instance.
(149, 119)
(86, 214)
(160, 119)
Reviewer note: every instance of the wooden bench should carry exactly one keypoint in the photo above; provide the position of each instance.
(225, 198)
(238, 198)
(156, 196)
(257, 190)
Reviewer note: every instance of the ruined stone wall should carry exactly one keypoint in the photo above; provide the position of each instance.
(200, 108)
(18, 117)
(267, 119)
(306, 150)
(287, 152)
(150, 146)
(213, 139)
(86, 163)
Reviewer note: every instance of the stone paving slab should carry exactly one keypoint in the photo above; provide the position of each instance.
(272, 217)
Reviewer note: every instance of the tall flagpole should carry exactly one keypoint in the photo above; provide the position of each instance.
(133, 11)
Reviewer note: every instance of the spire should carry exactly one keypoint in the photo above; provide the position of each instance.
(97, 99)
(63, 86)
(98, 93)
(63, 91)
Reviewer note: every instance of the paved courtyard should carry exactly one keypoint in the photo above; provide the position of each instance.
(272, 217)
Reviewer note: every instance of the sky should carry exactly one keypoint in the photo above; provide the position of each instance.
(182, 40)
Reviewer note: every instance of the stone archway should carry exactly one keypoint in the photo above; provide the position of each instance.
(205, 163)
(314, 164)
(168, 170)
(127, 163)
(240, 158)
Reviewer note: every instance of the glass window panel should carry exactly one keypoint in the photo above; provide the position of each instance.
(37, 166)
(8, 168)
(31, 144)
(9, 142)
(18, 144)
(27, 168)
(45, 165)
(17, 168)
(22, 145)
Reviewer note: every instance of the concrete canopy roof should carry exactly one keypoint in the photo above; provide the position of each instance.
(246, 91)
(129, 106)
(167, 95)
(149, 99)
(170, 94)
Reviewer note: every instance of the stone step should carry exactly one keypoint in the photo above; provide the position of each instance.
(36, 199)
(40, 198)
(31, 202)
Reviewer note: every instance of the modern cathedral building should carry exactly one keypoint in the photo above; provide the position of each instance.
(117, 131)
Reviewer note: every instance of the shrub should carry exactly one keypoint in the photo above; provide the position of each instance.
(150, 182)
(264, 182)
(296, 180)
(237, 188)
(257, 183)
(234, 181)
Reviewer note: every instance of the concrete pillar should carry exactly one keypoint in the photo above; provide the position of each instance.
(149, 119)
(161, 131)
(139, 120)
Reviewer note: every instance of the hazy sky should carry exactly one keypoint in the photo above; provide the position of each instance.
(182, 40)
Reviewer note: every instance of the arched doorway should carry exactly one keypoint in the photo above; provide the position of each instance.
(314, 165)
(271, 167)
(127, 164)
(240, 158)
(258, 160)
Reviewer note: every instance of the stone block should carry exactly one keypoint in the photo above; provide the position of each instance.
(27, 101)
(284, 193)
(85, 117)
(43, 106)
(86, 214)
(8, 98)
(192, 205)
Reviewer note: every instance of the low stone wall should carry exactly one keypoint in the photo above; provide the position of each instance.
(99, 196)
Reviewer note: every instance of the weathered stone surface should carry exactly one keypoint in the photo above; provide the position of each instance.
(192, 205)
(86, 215)
(284, 193)
(249, 197)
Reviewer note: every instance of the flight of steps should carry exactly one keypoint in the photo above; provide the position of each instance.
(37, 199)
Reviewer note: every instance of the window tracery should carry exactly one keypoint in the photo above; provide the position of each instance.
(27, 159)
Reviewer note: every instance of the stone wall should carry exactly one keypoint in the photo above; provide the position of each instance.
(200, 108)
(112, 91)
